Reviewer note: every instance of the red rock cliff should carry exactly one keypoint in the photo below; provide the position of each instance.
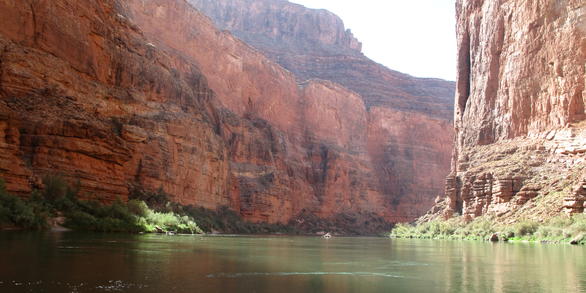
(84, 93)
(118, 94)
(410, 160)
(520, 131)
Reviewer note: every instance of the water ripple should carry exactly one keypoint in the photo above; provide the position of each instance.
(287, 274)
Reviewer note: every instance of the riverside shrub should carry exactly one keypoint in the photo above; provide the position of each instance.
(558, 229)
(59, 199)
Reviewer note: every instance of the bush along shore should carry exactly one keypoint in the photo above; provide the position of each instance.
(562, 229)
(57, 206)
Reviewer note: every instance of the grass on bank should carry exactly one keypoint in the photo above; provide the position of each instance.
(560, 229)
(59, 200)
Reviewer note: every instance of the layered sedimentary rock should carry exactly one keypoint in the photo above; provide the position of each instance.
(116, 95)
(408, 151)
(520, 130)
(85, 95)
(409, 119)
(300, 163)
(575, 203)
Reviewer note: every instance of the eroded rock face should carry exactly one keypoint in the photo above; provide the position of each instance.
(83, 94)
(409, 151)
(256, 87)
(520, 131)
(576, 202)
(122, 94)
(409, 119)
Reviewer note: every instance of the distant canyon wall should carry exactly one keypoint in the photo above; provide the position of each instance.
(313, 43)
(410, 130)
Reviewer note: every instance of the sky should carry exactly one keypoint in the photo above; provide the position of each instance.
(416, 37)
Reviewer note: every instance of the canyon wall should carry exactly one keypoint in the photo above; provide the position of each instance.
(313, 43)
(520, 120)
(409, 119)
(85, 95)
(117, 96)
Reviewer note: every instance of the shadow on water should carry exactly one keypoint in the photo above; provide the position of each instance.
(81, 262)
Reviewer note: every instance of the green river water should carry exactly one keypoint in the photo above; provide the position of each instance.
(72, 262)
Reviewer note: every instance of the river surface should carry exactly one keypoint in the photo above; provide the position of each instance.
(71, 262)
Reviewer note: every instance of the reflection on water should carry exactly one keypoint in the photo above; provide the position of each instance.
(71, 262)
(240, 275)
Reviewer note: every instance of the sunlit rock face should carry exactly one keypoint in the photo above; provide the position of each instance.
(84, 94)
(520, 130)
(115, 95)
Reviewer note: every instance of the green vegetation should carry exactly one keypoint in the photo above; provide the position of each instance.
(17, 212)
(146, 211)
(58, 203)
(134, 216)
(222, 220)
(559, 229)
(59, 200)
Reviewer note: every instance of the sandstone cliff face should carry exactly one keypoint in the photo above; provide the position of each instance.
(84, 94)
(410, 161)
(123, 94)
(520, 135)
(297, 165)
(409, 151)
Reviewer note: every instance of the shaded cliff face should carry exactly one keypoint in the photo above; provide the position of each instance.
(123, 94)
(520, 132)
(409, 153)
(409, 160)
